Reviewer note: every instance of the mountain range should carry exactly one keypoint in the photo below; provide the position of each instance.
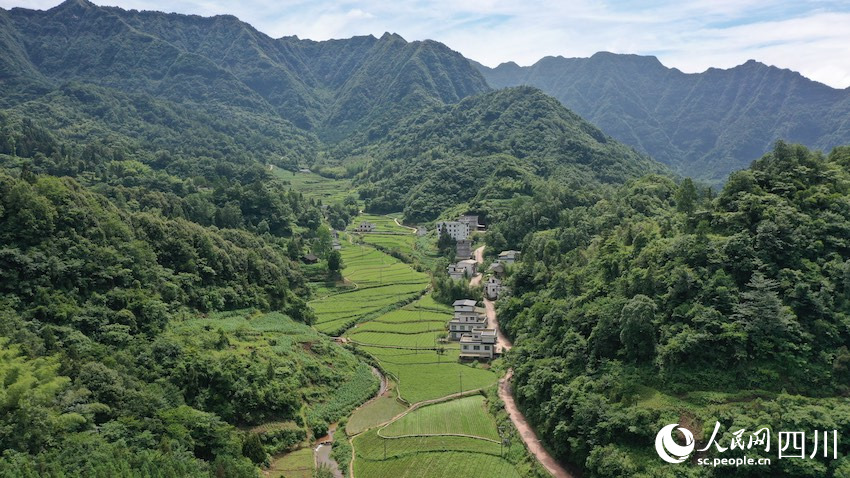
(704, 125)
(288, 99)
(329, 88)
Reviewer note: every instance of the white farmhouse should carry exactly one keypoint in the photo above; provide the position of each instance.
(455, 271)
(467, 317)
(492, 288)
(479, 344)
(508, 257)
(365, 226)
(456, 230)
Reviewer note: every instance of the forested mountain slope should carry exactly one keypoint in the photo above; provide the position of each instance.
(326, 87)
(498, 144)
(662, 304)
(704, 125)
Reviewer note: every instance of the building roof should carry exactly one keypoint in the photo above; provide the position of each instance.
(464, 302)
(496, 267)
(467, 261)
(509, 253)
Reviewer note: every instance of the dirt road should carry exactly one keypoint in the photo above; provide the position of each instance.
(502, 343)
(526, 432)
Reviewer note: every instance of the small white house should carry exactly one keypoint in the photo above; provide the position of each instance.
(497, 268)
(455, 271)
(492, 288)
(456, 230)
(470, 267)
(365, 226)
(509, 257)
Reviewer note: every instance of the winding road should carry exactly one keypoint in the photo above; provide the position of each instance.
(526, 432)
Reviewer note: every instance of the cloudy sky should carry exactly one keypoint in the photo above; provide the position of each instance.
(809, 36)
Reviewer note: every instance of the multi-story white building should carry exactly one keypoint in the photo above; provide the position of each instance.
(480, 343)
(492, 288)
(456, 230)
(467, 317)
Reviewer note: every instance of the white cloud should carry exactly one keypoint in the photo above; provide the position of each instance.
(809, 36)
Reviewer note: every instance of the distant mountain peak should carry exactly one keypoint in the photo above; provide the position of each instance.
(392, 36)
(71, 4)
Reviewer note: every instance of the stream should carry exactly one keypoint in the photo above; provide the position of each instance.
(324, 447)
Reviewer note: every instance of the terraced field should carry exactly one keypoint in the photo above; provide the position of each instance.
(406, 342)
(394, 450)
(393, 238)
(370, 446)
(451, 464)
(296, 464)
(379, 282)
(463, 416)
(376, 412)
(314, 186)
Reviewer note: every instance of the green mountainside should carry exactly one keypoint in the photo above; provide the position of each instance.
(703, 125)
(663, 303)
(156, 318)
(330, 88)
(492, 146)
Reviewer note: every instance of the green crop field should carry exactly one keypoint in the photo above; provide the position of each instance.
(296, 464)
(464, 416)
(370, 445)
(425, 375)
(376, 280)
(376, 412)
(404, 342)
(451, 464)
(391, 237)
(313, 186)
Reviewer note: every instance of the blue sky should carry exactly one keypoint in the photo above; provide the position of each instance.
(809, 36)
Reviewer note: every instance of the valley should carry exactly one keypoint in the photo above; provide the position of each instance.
(224, 254)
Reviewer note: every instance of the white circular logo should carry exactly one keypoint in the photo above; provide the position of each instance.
(668, 449)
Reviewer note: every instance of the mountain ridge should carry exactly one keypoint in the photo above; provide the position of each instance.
(702, 124)
(329, 88)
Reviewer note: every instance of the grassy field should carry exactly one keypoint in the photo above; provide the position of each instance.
(451, 464)
(296, 464)
(379, 411)
(377, 282)
(464, 416)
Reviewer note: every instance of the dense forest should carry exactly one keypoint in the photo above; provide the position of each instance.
(495, 146)
(665, 302)
(150, 302)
